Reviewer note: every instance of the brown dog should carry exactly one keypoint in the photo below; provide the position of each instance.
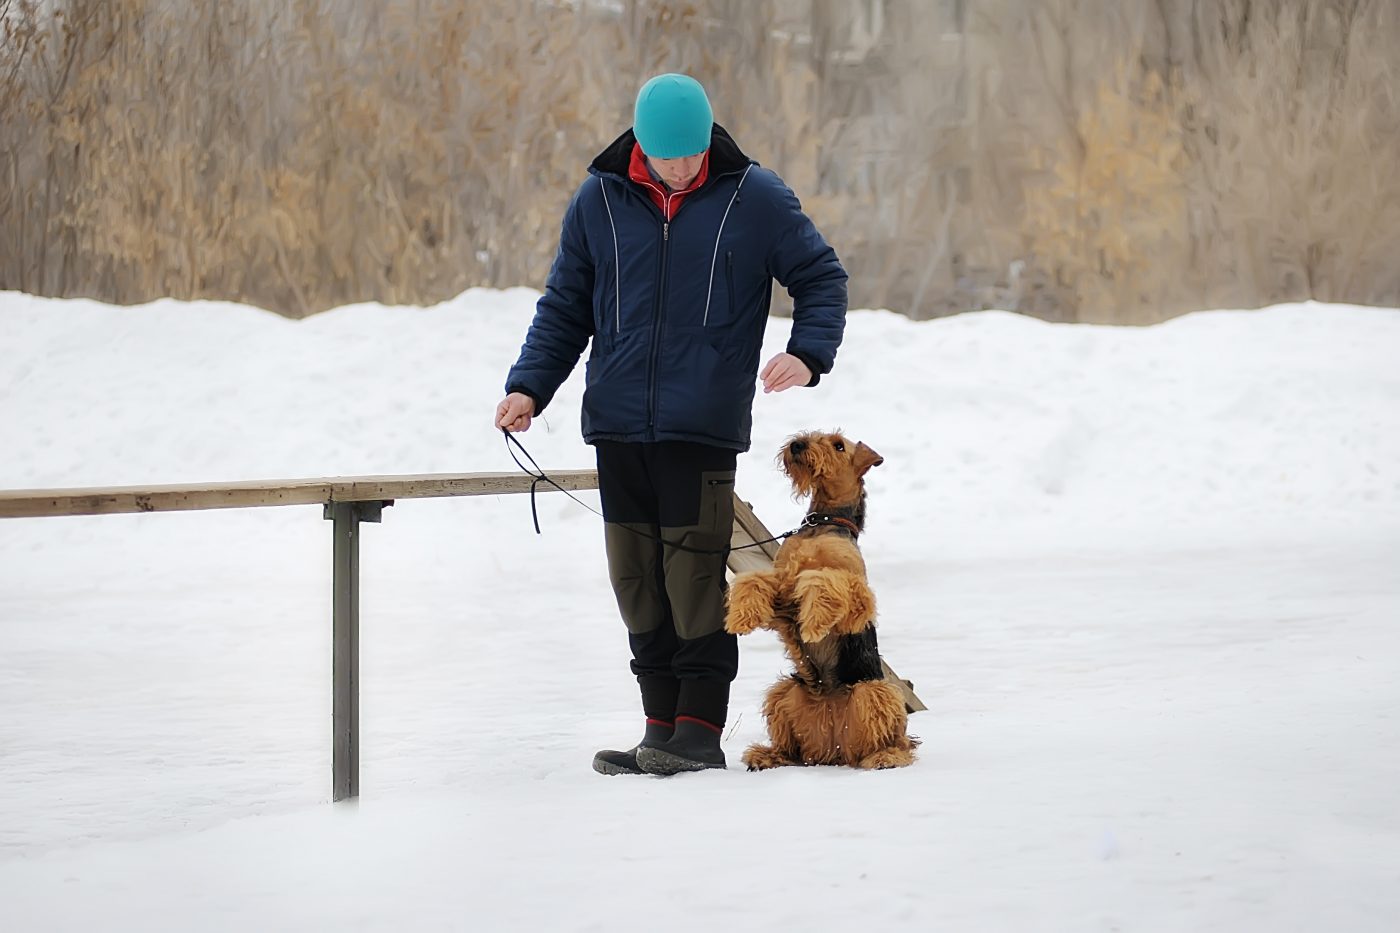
(836, 708)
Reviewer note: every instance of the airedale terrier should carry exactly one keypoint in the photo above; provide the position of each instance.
(836, 708)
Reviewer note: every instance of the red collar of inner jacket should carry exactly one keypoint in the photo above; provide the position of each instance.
(668, 202)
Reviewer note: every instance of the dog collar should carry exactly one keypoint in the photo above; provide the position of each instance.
(814, 519)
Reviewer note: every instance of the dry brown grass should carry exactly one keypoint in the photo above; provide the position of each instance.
(1073, 159)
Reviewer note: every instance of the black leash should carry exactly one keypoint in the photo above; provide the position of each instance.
(538, 476)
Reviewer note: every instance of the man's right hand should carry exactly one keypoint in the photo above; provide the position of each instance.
(514, 412)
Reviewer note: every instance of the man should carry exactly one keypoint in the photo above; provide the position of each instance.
(665, 263)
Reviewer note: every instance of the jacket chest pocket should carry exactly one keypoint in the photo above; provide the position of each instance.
(607, 298)
(729, 284)
(721, 300)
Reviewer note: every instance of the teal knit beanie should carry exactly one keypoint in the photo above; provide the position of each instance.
(673, 117)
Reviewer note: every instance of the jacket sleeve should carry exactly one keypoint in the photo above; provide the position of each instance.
(807, 267)
(563, 321)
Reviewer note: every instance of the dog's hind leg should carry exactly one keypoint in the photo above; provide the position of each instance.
(878, 708)
(778, 710)
(832, 600)
(759, 757)
(751, 599)
(887, 758)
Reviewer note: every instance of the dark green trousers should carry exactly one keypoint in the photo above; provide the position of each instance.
(672, 599)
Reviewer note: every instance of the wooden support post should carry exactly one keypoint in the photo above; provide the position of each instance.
(345, 643)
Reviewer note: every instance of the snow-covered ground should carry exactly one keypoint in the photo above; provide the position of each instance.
(1146, 580)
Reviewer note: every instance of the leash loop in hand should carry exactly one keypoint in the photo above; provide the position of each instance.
(538, 475)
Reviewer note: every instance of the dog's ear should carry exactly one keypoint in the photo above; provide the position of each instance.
(866, 458)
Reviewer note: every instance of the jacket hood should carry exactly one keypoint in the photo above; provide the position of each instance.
(725, 154)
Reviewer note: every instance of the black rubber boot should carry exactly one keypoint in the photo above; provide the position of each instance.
(693, 747)
(610, 762)
(701, 708)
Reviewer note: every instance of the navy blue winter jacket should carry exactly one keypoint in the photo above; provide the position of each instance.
(676, 312)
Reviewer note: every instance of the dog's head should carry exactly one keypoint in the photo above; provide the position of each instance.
(827, 467)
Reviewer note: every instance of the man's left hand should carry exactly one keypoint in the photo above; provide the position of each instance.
(783, 372)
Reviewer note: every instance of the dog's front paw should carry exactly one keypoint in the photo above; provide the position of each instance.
(813, 628)
(822, 602)
(860, 610)
(742, 621)
(750, 603)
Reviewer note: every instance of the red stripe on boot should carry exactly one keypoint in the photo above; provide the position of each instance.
(659, 722)
(718, 730)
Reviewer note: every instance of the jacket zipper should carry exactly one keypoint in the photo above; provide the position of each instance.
(654, 360)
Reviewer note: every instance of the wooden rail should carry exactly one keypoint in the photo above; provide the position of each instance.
(347, 501)
(34, 503)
